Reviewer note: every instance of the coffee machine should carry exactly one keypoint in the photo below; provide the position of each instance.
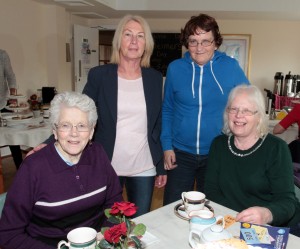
(288, 85)
(296, 86)
(278, 83)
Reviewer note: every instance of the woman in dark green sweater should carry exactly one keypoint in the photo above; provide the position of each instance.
(250, 170)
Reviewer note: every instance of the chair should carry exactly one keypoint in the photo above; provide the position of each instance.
(297, 174)
(294, 147)
(2, 201)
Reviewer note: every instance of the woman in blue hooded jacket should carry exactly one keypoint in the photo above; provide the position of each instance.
(195, 94)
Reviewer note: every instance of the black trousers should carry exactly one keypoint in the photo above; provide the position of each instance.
(16, 154)
(15, 151)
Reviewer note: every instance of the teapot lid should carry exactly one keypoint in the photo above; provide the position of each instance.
(214, 233)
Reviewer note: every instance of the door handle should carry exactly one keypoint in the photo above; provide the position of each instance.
(79, 68)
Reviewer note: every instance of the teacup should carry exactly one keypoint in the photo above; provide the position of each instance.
(193, 200)
(201, 219)
(80, 238)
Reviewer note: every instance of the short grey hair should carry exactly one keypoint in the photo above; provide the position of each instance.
(116, 43)
(255, 96)
(73, 99)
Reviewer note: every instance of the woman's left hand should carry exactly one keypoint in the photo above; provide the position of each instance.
(256, 215)
(160, 181)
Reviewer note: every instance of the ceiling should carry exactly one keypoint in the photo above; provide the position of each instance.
(288, 10)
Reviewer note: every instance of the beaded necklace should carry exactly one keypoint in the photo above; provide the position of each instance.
(249, 153)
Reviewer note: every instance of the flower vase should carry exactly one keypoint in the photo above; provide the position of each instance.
(36, 113)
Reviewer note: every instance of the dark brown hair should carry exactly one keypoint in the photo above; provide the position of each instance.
(204, 22)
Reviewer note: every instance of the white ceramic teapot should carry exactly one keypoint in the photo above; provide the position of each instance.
(212, 233)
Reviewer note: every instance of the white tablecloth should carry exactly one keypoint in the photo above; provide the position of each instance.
(289, 135)
(30, 137)
(173, 232)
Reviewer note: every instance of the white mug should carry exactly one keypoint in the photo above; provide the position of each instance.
(80, 238)
(46, 113)
(201, 219)
(193, 200)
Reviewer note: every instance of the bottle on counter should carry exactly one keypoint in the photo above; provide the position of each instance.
(272, 114)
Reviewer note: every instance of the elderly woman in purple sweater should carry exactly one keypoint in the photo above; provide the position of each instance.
(65, 185)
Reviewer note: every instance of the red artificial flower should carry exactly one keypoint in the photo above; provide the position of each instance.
(125, 207)
(113, 234)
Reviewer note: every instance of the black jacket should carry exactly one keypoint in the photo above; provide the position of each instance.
(102, 87)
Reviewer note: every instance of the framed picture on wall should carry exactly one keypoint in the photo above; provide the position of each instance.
(238, 47)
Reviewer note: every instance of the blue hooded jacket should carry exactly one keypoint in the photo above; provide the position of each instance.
(194, 101)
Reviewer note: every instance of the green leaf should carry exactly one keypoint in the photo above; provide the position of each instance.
(113, 220)
(105, 245)
(107, 212)
(139, 229)
(137, 242)
(103, 229)
(128, 225)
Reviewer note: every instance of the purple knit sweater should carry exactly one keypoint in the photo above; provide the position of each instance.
(48, 198)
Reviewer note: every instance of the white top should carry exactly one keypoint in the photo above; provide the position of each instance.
(131, 152)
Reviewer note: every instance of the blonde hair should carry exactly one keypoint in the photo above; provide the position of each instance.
(116, 43)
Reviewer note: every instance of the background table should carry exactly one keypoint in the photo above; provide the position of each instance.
(289, 135)
(30, 137)
(173, 232)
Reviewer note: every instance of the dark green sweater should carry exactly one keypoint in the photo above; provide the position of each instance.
(264, 178)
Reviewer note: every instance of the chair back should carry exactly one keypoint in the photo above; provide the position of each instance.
(297, 174)
(294, 147)
(2, 201)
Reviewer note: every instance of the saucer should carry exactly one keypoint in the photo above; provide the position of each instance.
(180, 212)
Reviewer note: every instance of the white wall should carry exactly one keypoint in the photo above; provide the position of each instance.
(35, 35)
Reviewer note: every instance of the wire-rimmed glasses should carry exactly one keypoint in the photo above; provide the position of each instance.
(245, 112)
(195, 43)
(67, 127)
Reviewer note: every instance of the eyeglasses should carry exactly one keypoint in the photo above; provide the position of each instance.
(129, 36)
(245, 112)
(195, 43)
(67, 127)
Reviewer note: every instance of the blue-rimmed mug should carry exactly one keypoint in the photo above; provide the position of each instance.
(80, 238)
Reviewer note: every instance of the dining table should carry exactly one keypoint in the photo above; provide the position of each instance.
(27, 136)
(165, 229)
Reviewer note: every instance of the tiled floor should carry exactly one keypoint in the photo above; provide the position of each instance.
(9, 171)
